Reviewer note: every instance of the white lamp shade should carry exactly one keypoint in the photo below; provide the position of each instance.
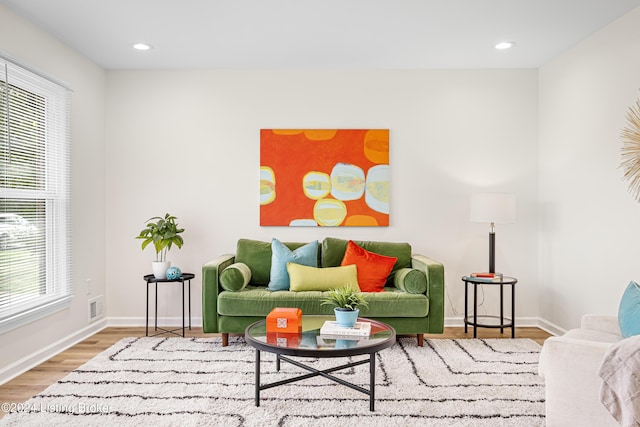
(493, 207)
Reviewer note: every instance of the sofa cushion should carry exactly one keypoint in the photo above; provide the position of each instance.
(258, 301)
(629, 311)
(257, 255)
(333, 252)
(281, 255)
(305, 278)
(373, 269)
(411, 280)
(235, 277)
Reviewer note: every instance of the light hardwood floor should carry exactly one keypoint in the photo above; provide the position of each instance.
(37, 379)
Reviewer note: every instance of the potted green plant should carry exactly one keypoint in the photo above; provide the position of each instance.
(163, 233)
(345, 302)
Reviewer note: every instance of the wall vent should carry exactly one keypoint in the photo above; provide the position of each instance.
(96, 308)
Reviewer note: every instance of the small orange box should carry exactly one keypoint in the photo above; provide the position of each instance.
(288, 320)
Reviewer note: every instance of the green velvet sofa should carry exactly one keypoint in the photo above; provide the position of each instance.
(409, 313)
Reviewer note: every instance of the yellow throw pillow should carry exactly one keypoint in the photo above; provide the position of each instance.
(305, 278)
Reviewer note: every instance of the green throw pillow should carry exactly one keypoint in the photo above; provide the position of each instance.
(411, 280)
(235, 277)
(305, 278)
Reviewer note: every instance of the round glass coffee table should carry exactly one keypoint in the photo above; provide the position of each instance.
(310, 343)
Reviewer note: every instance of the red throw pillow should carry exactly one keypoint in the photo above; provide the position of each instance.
(373, 269)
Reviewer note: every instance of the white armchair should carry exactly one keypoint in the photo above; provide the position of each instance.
(569, 365)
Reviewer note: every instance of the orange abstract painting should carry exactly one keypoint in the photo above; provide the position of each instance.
(324, 177)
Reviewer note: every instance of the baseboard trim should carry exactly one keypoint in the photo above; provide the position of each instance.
(34, 359)
(525, 322)
(162, 321)
(528, 322)
(551, 328)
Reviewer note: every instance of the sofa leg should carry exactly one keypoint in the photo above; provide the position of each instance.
(225, 339)
(420, 340)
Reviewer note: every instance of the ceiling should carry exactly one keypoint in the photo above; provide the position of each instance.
(327, 34)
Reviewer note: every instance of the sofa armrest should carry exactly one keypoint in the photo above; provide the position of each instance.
(569, 367)
(210, 288)
(608, 324)
(435, 290)
(560, 355)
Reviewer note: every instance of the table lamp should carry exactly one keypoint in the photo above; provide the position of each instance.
(493, 208)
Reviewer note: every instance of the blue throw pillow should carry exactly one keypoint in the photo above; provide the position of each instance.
(281, 255)
(629, 311)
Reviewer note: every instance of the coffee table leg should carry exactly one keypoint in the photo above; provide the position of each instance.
(277, 363)
(257, 377)
(372, 381)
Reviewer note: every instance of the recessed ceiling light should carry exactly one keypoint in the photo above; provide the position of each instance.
(141, 46)
(504, 45)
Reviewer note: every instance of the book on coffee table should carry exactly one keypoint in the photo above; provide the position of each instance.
(339, 341)
(361, 329)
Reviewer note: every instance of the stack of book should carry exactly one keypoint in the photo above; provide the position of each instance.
(333, 330)
(486, 277)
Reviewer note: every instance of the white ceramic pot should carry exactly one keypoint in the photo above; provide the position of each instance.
(160, 269)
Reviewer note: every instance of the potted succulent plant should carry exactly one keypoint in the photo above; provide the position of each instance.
(346, 302)
(163, 233)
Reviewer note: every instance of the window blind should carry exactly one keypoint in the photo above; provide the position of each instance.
(35, 255)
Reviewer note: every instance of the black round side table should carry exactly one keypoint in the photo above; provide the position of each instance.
(500, 321)
(150, 278)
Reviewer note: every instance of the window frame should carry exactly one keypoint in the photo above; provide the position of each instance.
(55, 196)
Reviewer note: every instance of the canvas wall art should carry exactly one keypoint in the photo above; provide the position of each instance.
(324, 177)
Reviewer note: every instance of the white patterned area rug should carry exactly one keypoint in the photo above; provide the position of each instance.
(197, 382)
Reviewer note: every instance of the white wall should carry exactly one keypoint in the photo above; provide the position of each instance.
(589, 225)
(187, 142)
(32, 47)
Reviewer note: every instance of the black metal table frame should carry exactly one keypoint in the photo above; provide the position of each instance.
(372, 351)
(324, 373)
(150, 278)
(507, 281)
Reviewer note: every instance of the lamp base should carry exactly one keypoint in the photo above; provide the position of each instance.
(492, 252)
